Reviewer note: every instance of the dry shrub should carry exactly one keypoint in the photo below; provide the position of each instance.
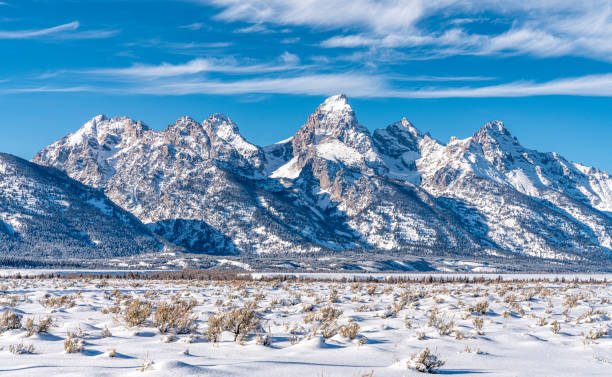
(407, 322)
(72, 344)
(371, 289)
(571, 301)
(350, 331)
(44, 325)
(425, 362)
(29, 326)
(10, 321)
(239, 321)
(137, 312)
(20, 349)
(595, 334)
(325, 314)
(333, 295)
(480, 307)
(177, 317)
(215, 327)
(478, 323)
(420, 334)
(264, 339)
(555, 327)
(65, 301)
(9, 300)
(326, 329)
(146, 364)
(307, 307)
(106, 333)
(444, 326)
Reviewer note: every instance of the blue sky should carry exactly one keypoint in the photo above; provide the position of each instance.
(543, 67)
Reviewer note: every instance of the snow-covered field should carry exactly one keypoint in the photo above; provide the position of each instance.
(120, 327)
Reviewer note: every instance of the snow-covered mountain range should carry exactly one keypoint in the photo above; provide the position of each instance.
(336, 186)
(43, 212)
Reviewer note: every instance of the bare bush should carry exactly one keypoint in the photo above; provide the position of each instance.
(72, 344)
(65, 301)
(240, 322)
(137, 313)
(478, 323)
(555, 327)
(10, 321)
(20, 349)
(43, 326)
(595, 334)
(425, 362)
(350, 331)
(480, 307)
(325, 314)
(215, 327)
(177, 317)
(106, 333)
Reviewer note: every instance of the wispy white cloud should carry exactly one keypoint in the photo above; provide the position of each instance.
(194, 26)
(590, 85)
(322, 84)
(540, 28)
(256, 28)
(427, 78)
(33, 33)
(90, 34)
(370, 14)
(229, 65)
(47, 89)
(354, 84)
(64, 31)
(290, 59)
(179, 48)
(370, 86)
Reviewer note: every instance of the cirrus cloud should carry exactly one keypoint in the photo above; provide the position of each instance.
(542, 28)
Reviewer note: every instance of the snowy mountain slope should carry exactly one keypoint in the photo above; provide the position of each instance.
(44, 213)
(337, 168)
(487, 172)
(528, 170)
(200, 180)
(336, 186)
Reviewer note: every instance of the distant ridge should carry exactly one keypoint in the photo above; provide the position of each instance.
(44, 213)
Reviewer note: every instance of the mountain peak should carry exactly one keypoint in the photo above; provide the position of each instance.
(227, 140)
(332, 118)
(336, 103)
(184, 126)
(221, 126)
(87, 131)
(495, 126)
(494, 131)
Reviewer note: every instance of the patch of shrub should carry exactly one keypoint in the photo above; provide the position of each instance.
(137, 313)
(425, 362)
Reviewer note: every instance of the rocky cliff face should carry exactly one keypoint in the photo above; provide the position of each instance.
(336, 186)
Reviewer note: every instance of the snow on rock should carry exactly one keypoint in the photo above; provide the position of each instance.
(335, 150)
(337, 186)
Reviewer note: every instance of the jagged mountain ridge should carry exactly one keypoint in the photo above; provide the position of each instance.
(43, 212)
(334, 185)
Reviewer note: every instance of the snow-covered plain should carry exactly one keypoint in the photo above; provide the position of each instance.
(498, 328)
